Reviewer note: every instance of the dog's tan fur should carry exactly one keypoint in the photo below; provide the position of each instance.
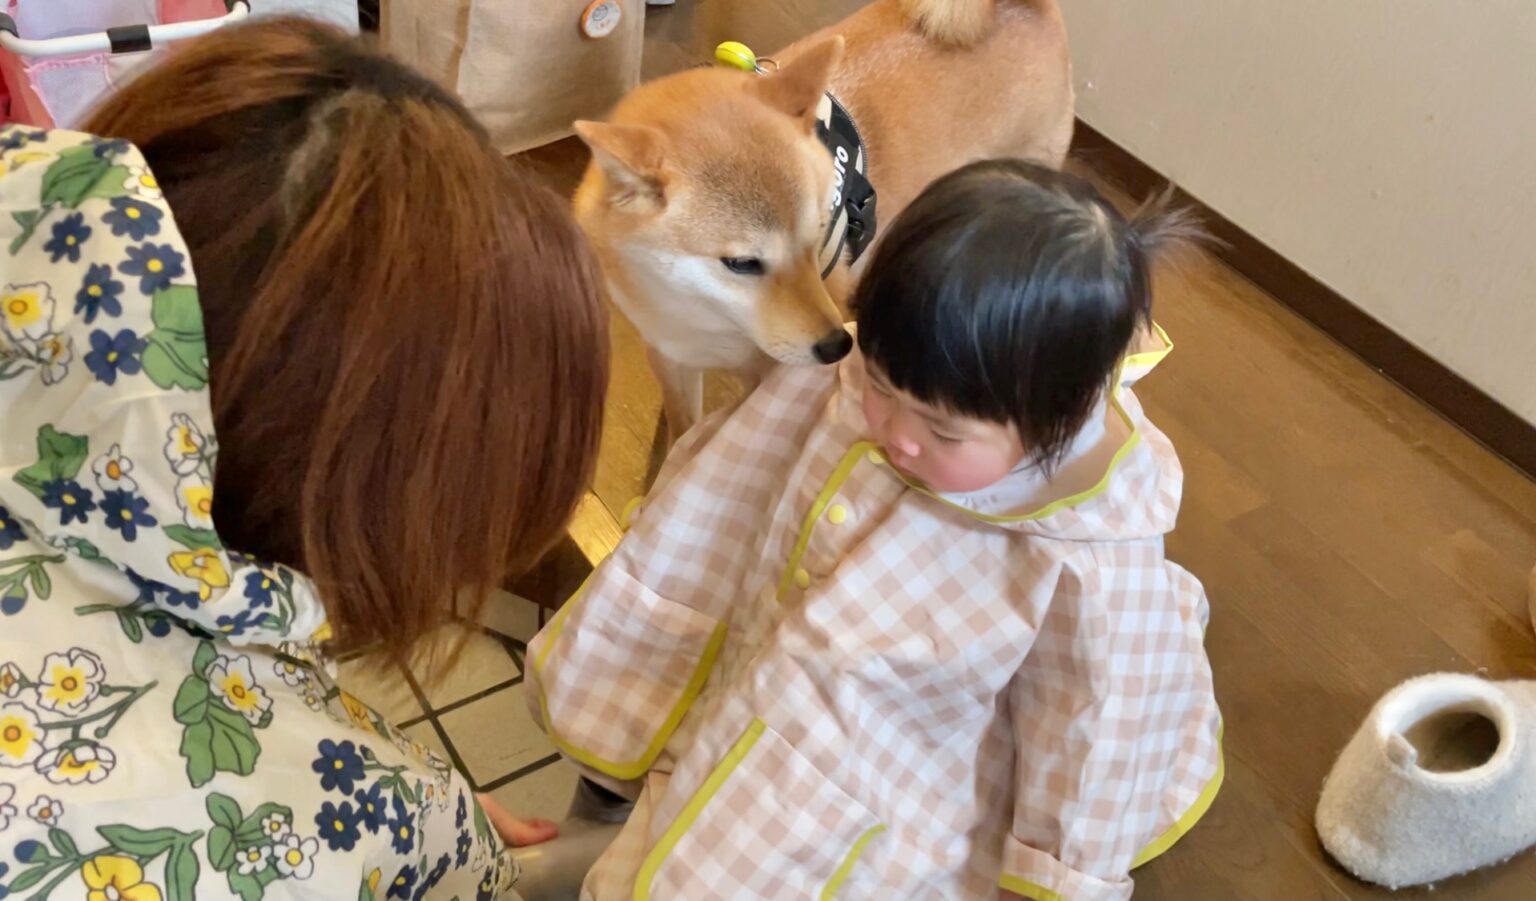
(713, 163)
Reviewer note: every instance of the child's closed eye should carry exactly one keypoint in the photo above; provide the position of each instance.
(946, 439)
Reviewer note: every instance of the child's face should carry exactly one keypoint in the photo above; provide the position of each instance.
(946, 452)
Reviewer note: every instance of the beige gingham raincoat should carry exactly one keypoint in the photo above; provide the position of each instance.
(821, 680)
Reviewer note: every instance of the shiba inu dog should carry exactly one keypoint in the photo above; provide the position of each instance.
(713, 199)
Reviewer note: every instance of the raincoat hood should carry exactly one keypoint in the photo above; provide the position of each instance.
(1120, 479)
(107, 450)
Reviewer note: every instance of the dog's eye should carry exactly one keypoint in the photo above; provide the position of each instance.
(743, 265)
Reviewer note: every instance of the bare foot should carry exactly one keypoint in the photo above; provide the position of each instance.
(516, 831)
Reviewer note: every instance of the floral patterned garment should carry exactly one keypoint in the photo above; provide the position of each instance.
(168, 729)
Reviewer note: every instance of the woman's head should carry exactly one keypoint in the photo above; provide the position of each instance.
(406, 344)
(995, 313)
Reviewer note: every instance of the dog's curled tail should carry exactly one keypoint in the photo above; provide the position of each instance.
(958, 22)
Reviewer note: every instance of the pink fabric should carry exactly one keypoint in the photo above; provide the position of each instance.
(960, 701)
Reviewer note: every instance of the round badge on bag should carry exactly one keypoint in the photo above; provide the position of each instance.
(600, 18)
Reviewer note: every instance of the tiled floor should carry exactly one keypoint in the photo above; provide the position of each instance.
(474, 713)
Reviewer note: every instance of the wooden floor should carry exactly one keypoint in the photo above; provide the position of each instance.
(1349, 538)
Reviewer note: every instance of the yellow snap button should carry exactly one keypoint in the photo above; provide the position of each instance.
(837, 515)
(875, 457)
(802, 578)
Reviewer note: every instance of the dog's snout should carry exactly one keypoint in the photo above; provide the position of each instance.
(833, 346)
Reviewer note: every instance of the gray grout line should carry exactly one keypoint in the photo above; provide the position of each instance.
(477, 696)
(515, 775)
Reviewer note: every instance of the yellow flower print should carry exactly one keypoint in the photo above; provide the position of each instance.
(27, 311)
(195, 495)
(205, 565)
(359, 713)
(373, 882)
(21, 736)
(88, 763)
(112, 878)
(232, 682)
(69, 682)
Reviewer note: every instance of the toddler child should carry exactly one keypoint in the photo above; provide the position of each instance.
(903, 628)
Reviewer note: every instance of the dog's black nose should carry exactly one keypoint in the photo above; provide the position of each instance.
(833, 346)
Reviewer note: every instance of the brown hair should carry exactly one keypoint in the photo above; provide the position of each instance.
(407, 345)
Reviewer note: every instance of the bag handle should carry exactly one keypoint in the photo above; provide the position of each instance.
(123, 39)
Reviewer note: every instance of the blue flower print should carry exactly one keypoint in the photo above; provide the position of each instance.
(404, 881)
(99, 293)
(156, 265)
(28, 851)
(372, 811)
(147, 588)
(112, 355)
(158, 624)
(70, 498)
(439, 870)
(134, 218)
(339, 766)
(105, 149)
(462, 813)
(17, 138)
(464, 844)
(68, 234)
(10, 530)
(258, 589)
(126, 512)
(338, 826)
(188, 599)
(13, 600)
(241, 623)
(402, 830)
(487, 889)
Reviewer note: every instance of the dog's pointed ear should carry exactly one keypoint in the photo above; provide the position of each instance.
(633, 157)
(797, 88)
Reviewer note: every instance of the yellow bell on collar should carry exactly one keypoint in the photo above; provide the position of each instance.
(736, 55)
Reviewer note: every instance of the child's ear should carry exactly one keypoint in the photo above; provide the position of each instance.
(633, 157)
(797, 88)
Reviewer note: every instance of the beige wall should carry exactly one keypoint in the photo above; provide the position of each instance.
(1389, 148)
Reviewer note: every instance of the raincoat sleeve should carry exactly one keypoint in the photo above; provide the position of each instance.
(613, 674)
(1101, 714)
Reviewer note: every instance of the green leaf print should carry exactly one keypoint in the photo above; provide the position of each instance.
(221, 848)
(204, 656)
(234, 747)
(63, 843)
(111, 184)
(193, 539)
(251, 830)
(73, 176)
(191, 706)
(181, 872)
(42, 585)
(130, 626)
(59, 457)
(28, 879)
(28, 220)
(178, 350)
(141, 842)
(224, 811)
(197, 748)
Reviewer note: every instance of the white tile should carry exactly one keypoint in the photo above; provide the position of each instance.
(510, 615)
(481, 662)
(424, 733)
(496, 736)
(381, 686)
(544, 793)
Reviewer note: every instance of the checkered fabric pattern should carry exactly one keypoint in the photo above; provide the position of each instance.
(1012, 697)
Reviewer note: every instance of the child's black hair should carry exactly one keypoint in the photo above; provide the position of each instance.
(1010, 292)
